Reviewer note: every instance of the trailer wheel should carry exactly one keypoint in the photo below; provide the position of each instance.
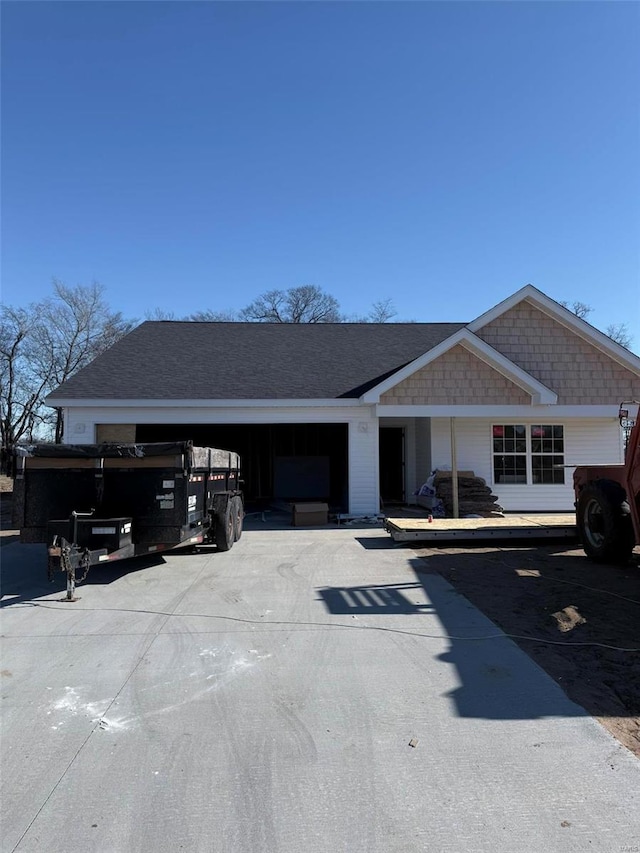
(225, 528)
(238, 515)
(604, 523)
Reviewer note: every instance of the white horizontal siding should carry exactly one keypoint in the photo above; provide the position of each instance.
(593, 440)
(80, 428)
(364, 477)
(423, 451)
(90, 416)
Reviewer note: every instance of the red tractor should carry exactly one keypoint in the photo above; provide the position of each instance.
(608, 500)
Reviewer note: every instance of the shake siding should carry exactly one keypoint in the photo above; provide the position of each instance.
(586, 441)
(456, 378)
(576, 370)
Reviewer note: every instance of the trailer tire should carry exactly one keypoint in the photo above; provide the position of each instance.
(225, 528)
(604, 522)
(238, 516)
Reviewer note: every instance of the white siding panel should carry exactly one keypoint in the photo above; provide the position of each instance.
(215, 415)
(594, 440)
(423, 450)
(364, 478)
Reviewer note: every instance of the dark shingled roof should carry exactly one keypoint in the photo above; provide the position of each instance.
(190, 360)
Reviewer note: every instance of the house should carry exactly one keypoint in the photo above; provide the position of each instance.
(352, 413)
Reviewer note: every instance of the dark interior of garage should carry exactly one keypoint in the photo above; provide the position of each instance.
(281, 463)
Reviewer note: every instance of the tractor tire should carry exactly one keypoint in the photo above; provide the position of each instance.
(238, 516)
(225, 528)
(604, 522)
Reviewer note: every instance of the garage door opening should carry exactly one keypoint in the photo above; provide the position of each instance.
(280, 462)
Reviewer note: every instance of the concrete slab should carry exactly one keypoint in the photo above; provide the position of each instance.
(265, 699)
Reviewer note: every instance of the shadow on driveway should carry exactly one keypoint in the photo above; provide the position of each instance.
(525, 592)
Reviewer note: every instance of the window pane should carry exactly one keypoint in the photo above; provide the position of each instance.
(510, 469)
(509, 449)
(545, 469)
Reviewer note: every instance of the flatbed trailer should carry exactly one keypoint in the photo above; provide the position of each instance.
(94, 504)
(548, 526)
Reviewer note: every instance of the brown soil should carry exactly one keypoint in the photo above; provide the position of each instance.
(556, 594)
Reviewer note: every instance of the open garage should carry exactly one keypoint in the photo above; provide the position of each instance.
(281, 462)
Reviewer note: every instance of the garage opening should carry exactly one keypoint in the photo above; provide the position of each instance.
(280, 462)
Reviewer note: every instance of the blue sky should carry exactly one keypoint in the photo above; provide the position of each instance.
(441, 154)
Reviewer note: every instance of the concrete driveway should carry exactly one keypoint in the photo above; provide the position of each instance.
(306, 691)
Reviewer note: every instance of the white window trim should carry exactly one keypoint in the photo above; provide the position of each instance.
(528, 454)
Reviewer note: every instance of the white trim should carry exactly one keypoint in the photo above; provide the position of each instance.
(530, 412)
(528, 454)
(540, 394)
(137, 403)
(567, 318)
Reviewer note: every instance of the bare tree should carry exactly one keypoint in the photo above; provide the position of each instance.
(580, 309)
(382, 311)
(619, 332)
(159, 314)
(305, 304)
(210, 316)
(20, 389)
(74, 326)
(42, 346)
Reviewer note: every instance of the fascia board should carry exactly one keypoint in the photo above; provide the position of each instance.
(567, 318)
(539, 392)
(504, 411)
(128, 403)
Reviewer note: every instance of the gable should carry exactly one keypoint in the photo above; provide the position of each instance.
(457, 377)
(578, 371)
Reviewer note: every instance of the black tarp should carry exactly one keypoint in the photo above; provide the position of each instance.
(198, 458)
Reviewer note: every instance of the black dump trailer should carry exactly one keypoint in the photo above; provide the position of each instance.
(94, 503)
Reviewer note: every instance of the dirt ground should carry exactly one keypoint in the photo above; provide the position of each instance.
(555, 594)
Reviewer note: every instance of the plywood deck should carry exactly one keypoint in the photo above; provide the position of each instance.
(552, 526)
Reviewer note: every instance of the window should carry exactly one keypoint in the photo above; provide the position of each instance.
(509, 454)
(528, 454)
(547, 453)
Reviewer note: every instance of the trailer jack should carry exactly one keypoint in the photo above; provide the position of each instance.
(69, 557)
